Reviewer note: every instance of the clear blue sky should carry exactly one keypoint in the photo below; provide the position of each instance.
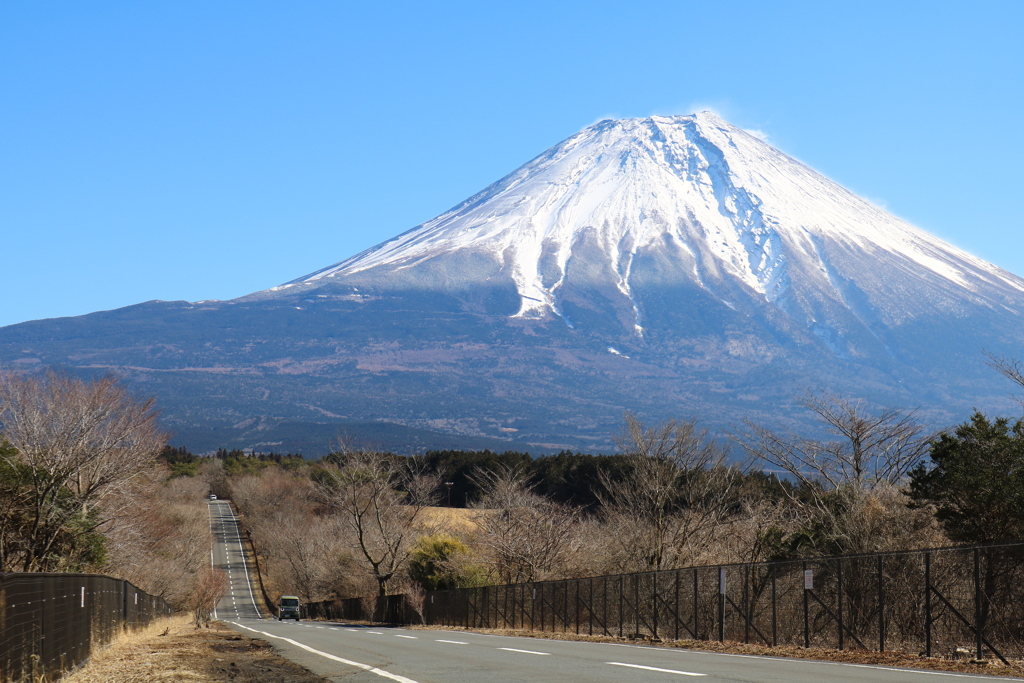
(205, 150)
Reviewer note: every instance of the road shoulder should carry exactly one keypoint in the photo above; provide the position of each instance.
(175, 650)
(896, 660)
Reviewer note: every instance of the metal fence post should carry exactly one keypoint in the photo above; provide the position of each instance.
(654, 604)
(533, 609)
(927, 604)
(567, 611)
(839, 599)
(746, 603)
(807, 611)
(541, 587)
(577, 606)
(676, 606)
(977, 604)
(881, 607)
(604, 608)
(775, 613)
(519, 606)
(636, 605)
(522, 608)
(554, 606)
(696, 605)
(590, 609)
(522, 614)
(621, 605)
(721, 604)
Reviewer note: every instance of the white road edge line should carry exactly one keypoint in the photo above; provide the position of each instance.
(932, 673)
(654, 668)
(529, 652)
(925, 672)
(213, 535)
(364, 667)
(245, 563)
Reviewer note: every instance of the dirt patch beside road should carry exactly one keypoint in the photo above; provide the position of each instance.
(175, 651)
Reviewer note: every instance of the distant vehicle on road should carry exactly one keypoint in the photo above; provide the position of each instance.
(288, 608)
(213, 496)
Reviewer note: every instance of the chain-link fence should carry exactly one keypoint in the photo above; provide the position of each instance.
(50, 623)
(965, 601)
(384, 609)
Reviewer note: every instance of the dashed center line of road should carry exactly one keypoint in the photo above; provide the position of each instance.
(655, 668)
(402, 679)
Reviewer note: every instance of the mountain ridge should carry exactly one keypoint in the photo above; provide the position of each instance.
(753, 238)
(668, 265)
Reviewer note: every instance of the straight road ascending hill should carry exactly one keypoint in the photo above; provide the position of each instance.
(361, 654)
(228, 554)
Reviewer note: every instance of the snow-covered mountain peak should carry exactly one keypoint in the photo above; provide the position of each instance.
(717, 206)
(671, 266)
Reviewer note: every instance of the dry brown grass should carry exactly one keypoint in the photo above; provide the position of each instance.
(457, 520)
(174, 651)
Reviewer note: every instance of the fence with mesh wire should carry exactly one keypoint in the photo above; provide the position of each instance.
(50, 623)
(962, 601)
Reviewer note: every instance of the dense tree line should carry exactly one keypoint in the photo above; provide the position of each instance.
(87, 482)
(671, 497)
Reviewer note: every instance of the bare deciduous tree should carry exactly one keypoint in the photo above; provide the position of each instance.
(522, 536)
(303, 550)
(76, 442)
(849, 499)
(380, 499)
(873, 448)
(159, 536)
(674, 493)
(1010, 368)
(207, 590)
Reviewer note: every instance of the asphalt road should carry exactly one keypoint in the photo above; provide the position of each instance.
(357, 654)
(228, 554)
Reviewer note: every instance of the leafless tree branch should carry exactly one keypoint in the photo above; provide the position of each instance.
(76, 442)
(380, 500)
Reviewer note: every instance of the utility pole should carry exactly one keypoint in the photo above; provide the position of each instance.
(449, 485)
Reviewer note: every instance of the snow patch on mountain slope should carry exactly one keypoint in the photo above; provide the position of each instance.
(742, 209)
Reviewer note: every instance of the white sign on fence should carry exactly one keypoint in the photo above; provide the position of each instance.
(721, 580)
(808, 579)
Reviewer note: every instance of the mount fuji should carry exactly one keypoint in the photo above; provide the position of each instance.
(673, 266)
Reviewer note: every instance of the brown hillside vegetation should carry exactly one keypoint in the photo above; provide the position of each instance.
(452, 520)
